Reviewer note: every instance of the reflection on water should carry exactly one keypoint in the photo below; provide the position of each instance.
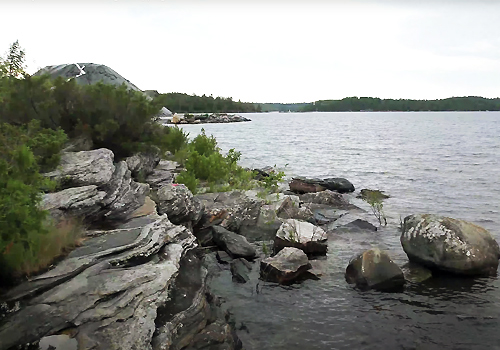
(443, 163)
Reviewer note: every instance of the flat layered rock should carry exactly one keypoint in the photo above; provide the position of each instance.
(108, 290)
(234, 244)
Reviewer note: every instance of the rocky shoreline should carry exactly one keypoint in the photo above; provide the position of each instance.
(139, 279)
(207, 118)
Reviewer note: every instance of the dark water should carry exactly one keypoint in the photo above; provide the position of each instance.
(443, 163)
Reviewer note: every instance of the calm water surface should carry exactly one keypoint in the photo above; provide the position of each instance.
(444, 163)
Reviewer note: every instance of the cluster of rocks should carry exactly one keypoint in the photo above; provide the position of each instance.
(135, 282)
(207, 118)
(132, 283)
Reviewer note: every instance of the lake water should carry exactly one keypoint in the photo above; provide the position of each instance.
(443, 163)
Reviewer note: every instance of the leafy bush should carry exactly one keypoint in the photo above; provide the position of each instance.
(375, 199)
(205, 162)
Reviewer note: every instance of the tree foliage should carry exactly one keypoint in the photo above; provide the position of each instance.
(184, 103)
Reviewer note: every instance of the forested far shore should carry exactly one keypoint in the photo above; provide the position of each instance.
(469, 103)
(184, 103)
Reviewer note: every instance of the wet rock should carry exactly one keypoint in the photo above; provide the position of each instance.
(124, 195)
(163, 174)
(338, 184)
(262, 172)
(304, 185)
(234, 244)
(216, 336)
(143, 164)
(349, 222)
(285, 267)
(83, 202)
(324, 215)
(177, 202)
(305, 236)
(449, 245)
(327, 197)
(374, 269)
(290, 209)
(367, 193)
(416, 273)
(84, 168)
(240, 269)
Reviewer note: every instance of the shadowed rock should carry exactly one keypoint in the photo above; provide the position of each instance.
(374, 269)
(143, 164)
(449, 245)
(285, 267)
(240, 269)
(234, 244)
(338, 184)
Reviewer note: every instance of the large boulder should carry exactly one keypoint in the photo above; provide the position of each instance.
(285, 267)
(374, 269)
(234, 244)
(124, 195)
(449, 245)
(84, 168)
(302, 235)
(178, 203)
(338, 184)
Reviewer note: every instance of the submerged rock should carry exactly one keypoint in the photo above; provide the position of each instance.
(450, 245)
(234, 244)
(416, 273)
(285, 267)
(305, 236)
(374, 269)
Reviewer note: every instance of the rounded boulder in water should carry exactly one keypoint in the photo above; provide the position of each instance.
(449, 245)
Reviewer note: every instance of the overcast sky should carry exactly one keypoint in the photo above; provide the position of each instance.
(271, 51)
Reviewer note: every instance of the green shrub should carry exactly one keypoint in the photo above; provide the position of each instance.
(204, 161)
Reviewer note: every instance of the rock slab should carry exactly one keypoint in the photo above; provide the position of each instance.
(234, 244)
(450, 245)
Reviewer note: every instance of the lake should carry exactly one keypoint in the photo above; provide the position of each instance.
(445, 163)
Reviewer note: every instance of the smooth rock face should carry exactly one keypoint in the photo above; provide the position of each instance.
(302, 235)
(84, 168)
(338, 184)
(178, 203)
(374, 269)
(234, 244)
(450, 245)
(285, 267)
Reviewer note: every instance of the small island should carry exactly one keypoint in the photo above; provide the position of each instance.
(206, 118)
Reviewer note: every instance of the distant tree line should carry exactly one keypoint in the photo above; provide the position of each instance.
(184, 103)
(469, 103)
